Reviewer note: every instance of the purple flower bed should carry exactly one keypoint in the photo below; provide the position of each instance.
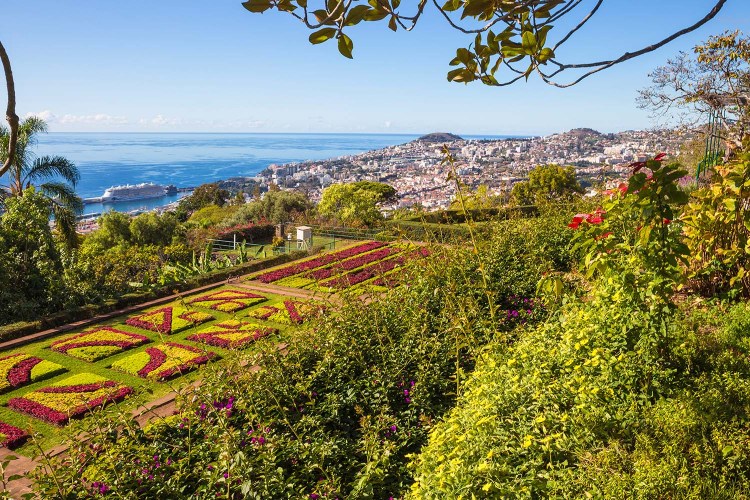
(323, 260)
(14, 437)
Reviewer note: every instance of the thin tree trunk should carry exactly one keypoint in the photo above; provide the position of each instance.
(10, 113)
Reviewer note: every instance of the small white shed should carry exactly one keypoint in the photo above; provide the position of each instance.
(304, 236)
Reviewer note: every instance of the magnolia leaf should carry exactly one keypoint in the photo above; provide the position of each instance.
(345, 46)
(257, 5)
(322, 35)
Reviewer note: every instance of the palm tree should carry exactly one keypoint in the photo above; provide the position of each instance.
(28, 170)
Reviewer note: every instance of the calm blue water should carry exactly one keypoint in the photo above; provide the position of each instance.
(107, 159)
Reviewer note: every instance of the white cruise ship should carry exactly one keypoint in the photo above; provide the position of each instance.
(133, 192)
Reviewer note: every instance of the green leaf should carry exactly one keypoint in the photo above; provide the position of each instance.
(345, 46)
(528, 42)
(257, 5)
(322, 35)
(356, 14)
(392, 23)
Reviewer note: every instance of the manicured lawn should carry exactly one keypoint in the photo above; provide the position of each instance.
(131, 345)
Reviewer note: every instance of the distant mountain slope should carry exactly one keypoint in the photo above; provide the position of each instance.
(439, 137)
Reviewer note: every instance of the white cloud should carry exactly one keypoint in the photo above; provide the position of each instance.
(387, 124)
(69, 119)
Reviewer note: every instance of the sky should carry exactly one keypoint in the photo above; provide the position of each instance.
(211, 66)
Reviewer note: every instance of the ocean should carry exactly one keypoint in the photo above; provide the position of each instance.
(188, 160)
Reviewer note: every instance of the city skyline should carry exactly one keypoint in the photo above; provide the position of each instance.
(184, 68)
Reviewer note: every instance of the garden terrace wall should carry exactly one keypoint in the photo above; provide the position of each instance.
(23, 328)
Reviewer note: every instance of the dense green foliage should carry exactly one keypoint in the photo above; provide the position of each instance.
(546, 183)
(355, 204)
(274, 206)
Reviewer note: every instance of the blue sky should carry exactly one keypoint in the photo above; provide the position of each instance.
(168, 65)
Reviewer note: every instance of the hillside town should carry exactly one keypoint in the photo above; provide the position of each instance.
(418, 172)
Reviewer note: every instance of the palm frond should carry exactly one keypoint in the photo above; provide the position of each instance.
(65, 223)
(52, 166)
(63, 195)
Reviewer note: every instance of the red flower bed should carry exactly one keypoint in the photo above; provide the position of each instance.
(215, 339)
(157, 358)
(56, 417)
(321, 261)
(164, 327)
(349, 264)
(14, 437)
(128, 340)
(21, 373)
(294, 315)
(376, 269)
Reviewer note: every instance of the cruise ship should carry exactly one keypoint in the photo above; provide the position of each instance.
(136, 192)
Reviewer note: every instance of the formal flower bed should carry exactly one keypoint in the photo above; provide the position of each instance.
(323, 260)
(99, 343)
(70, 398)
(232, 334)
(12, 437)
(20, 369)
(373, 270)
(228, 300)
(169, 319)
(353, 263)
(163, 361)
(291, 312)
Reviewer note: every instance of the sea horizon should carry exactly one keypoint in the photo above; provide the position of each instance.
(188, 159)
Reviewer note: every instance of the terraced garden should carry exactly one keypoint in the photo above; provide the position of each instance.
(132, 359)
(369, 266)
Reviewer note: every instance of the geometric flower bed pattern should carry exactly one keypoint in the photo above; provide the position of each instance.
(20, 369)
(99, 343)
(163, 361)
(70, 398)
(232, 334)
(323, 260)
(291, 312)
(11, 436)
(169, 319)
(375, 270)
(228, 300)
(353, 263)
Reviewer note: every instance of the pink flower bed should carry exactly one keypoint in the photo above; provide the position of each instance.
(11, 436)
(349, 264)
(323, 260)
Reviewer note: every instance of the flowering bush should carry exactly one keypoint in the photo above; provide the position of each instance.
(12, 437)
(168, 320)
(20, 369)
(232, 334)
(70, 398)
(98, 343)
(163, 361)
(297, 268)
(228, 300)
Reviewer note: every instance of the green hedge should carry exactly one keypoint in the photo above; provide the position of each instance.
(22, 328)
(455, 216)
